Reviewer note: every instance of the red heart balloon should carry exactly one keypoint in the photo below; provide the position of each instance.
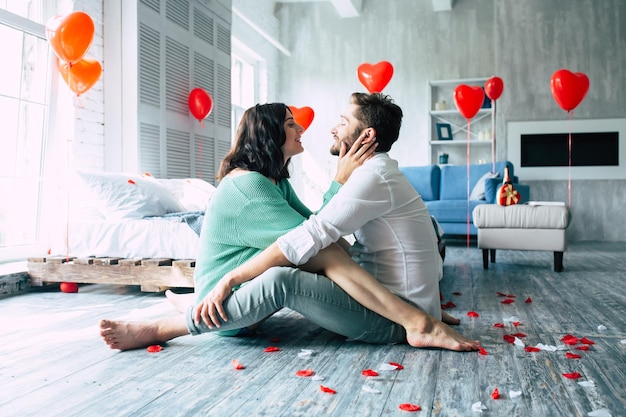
(494, 87)
(200, 103)
(70, 36)
(468, 99)
(569, 89)
(302, 115)
(375, 77)
(82, 75)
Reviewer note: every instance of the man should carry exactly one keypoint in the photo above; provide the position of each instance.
(395, 238)
(397, 244)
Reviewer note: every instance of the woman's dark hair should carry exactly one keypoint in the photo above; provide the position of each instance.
(260, 136)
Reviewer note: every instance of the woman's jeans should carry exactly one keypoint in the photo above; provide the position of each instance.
(314, 296)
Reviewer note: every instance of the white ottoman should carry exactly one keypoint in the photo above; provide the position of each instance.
(522, 227)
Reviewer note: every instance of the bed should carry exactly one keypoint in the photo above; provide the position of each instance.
(126, 229)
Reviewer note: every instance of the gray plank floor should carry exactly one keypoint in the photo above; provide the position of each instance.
(53, 363)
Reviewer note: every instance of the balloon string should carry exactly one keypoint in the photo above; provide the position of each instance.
(67, 201)
(569, 160)
(468, 183)
(493, 137)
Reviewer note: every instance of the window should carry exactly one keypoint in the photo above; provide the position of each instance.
(246, 75)
(24, 97)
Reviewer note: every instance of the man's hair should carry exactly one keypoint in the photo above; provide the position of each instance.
(260, 136)
(380, 112)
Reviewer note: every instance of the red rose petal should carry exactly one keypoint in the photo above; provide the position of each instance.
(519, 335)
(131, 182)
(369, 372)
(586, 341)
(500, 325)
(495, 394)
(237, 365)
(517, 323)
(568, 339)
(509, 338)
(305, 372)
(501, 294)
(571, 355)
(397, 365)
(154, 348)
(327, 390)
(449, 304)
(528, 300)
(582, 347)
(457, 293)
(573, 375)
(272, 349)
(472, 314)
(440, 296)
(482, 351)
(409, 407)
(507, 301)
(532, 349)
(275, 340)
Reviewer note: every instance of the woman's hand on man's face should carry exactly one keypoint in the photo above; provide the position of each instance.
(361, 150)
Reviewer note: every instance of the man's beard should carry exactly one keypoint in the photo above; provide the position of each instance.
(336, 146)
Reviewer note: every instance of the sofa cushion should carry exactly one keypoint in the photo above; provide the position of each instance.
(425, 179)
(478, 192)
(452, 211)
(454, 178)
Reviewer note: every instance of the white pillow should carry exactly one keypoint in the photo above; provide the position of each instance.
(478, 192)
(129, 196)
(193, 193)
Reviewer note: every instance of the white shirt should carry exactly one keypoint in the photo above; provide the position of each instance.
(396, 240)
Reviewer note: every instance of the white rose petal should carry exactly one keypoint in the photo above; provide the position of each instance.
(370, 389)
(600, 413)
(514, 394)
(305, 353)
(587, 384)
(478, 407)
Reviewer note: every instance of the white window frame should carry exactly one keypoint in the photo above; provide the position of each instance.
(21, 252)
(247, 55)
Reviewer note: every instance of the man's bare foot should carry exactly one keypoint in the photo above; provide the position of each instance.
(181, 302)
(448, 319)
(434, 333)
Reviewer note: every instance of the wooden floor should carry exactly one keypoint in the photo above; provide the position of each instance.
(53, 363)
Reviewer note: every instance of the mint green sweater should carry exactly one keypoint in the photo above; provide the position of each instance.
(247, 213)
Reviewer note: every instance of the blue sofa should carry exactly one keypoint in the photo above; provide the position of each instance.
(444, 190)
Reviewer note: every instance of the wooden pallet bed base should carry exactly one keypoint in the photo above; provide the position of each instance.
(152, 275)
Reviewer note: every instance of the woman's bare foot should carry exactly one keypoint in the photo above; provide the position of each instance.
(126, 335)
(181, 302)
(434, 333)
(448, 319)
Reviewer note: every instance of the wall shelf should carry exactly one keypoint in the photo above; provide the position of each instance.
(441, 94)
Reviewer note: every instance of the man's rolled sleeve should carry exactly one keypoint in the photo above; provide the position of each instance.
(305, 241)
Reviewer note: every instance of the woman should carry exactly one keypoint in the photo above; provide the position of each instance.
(254, 205)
